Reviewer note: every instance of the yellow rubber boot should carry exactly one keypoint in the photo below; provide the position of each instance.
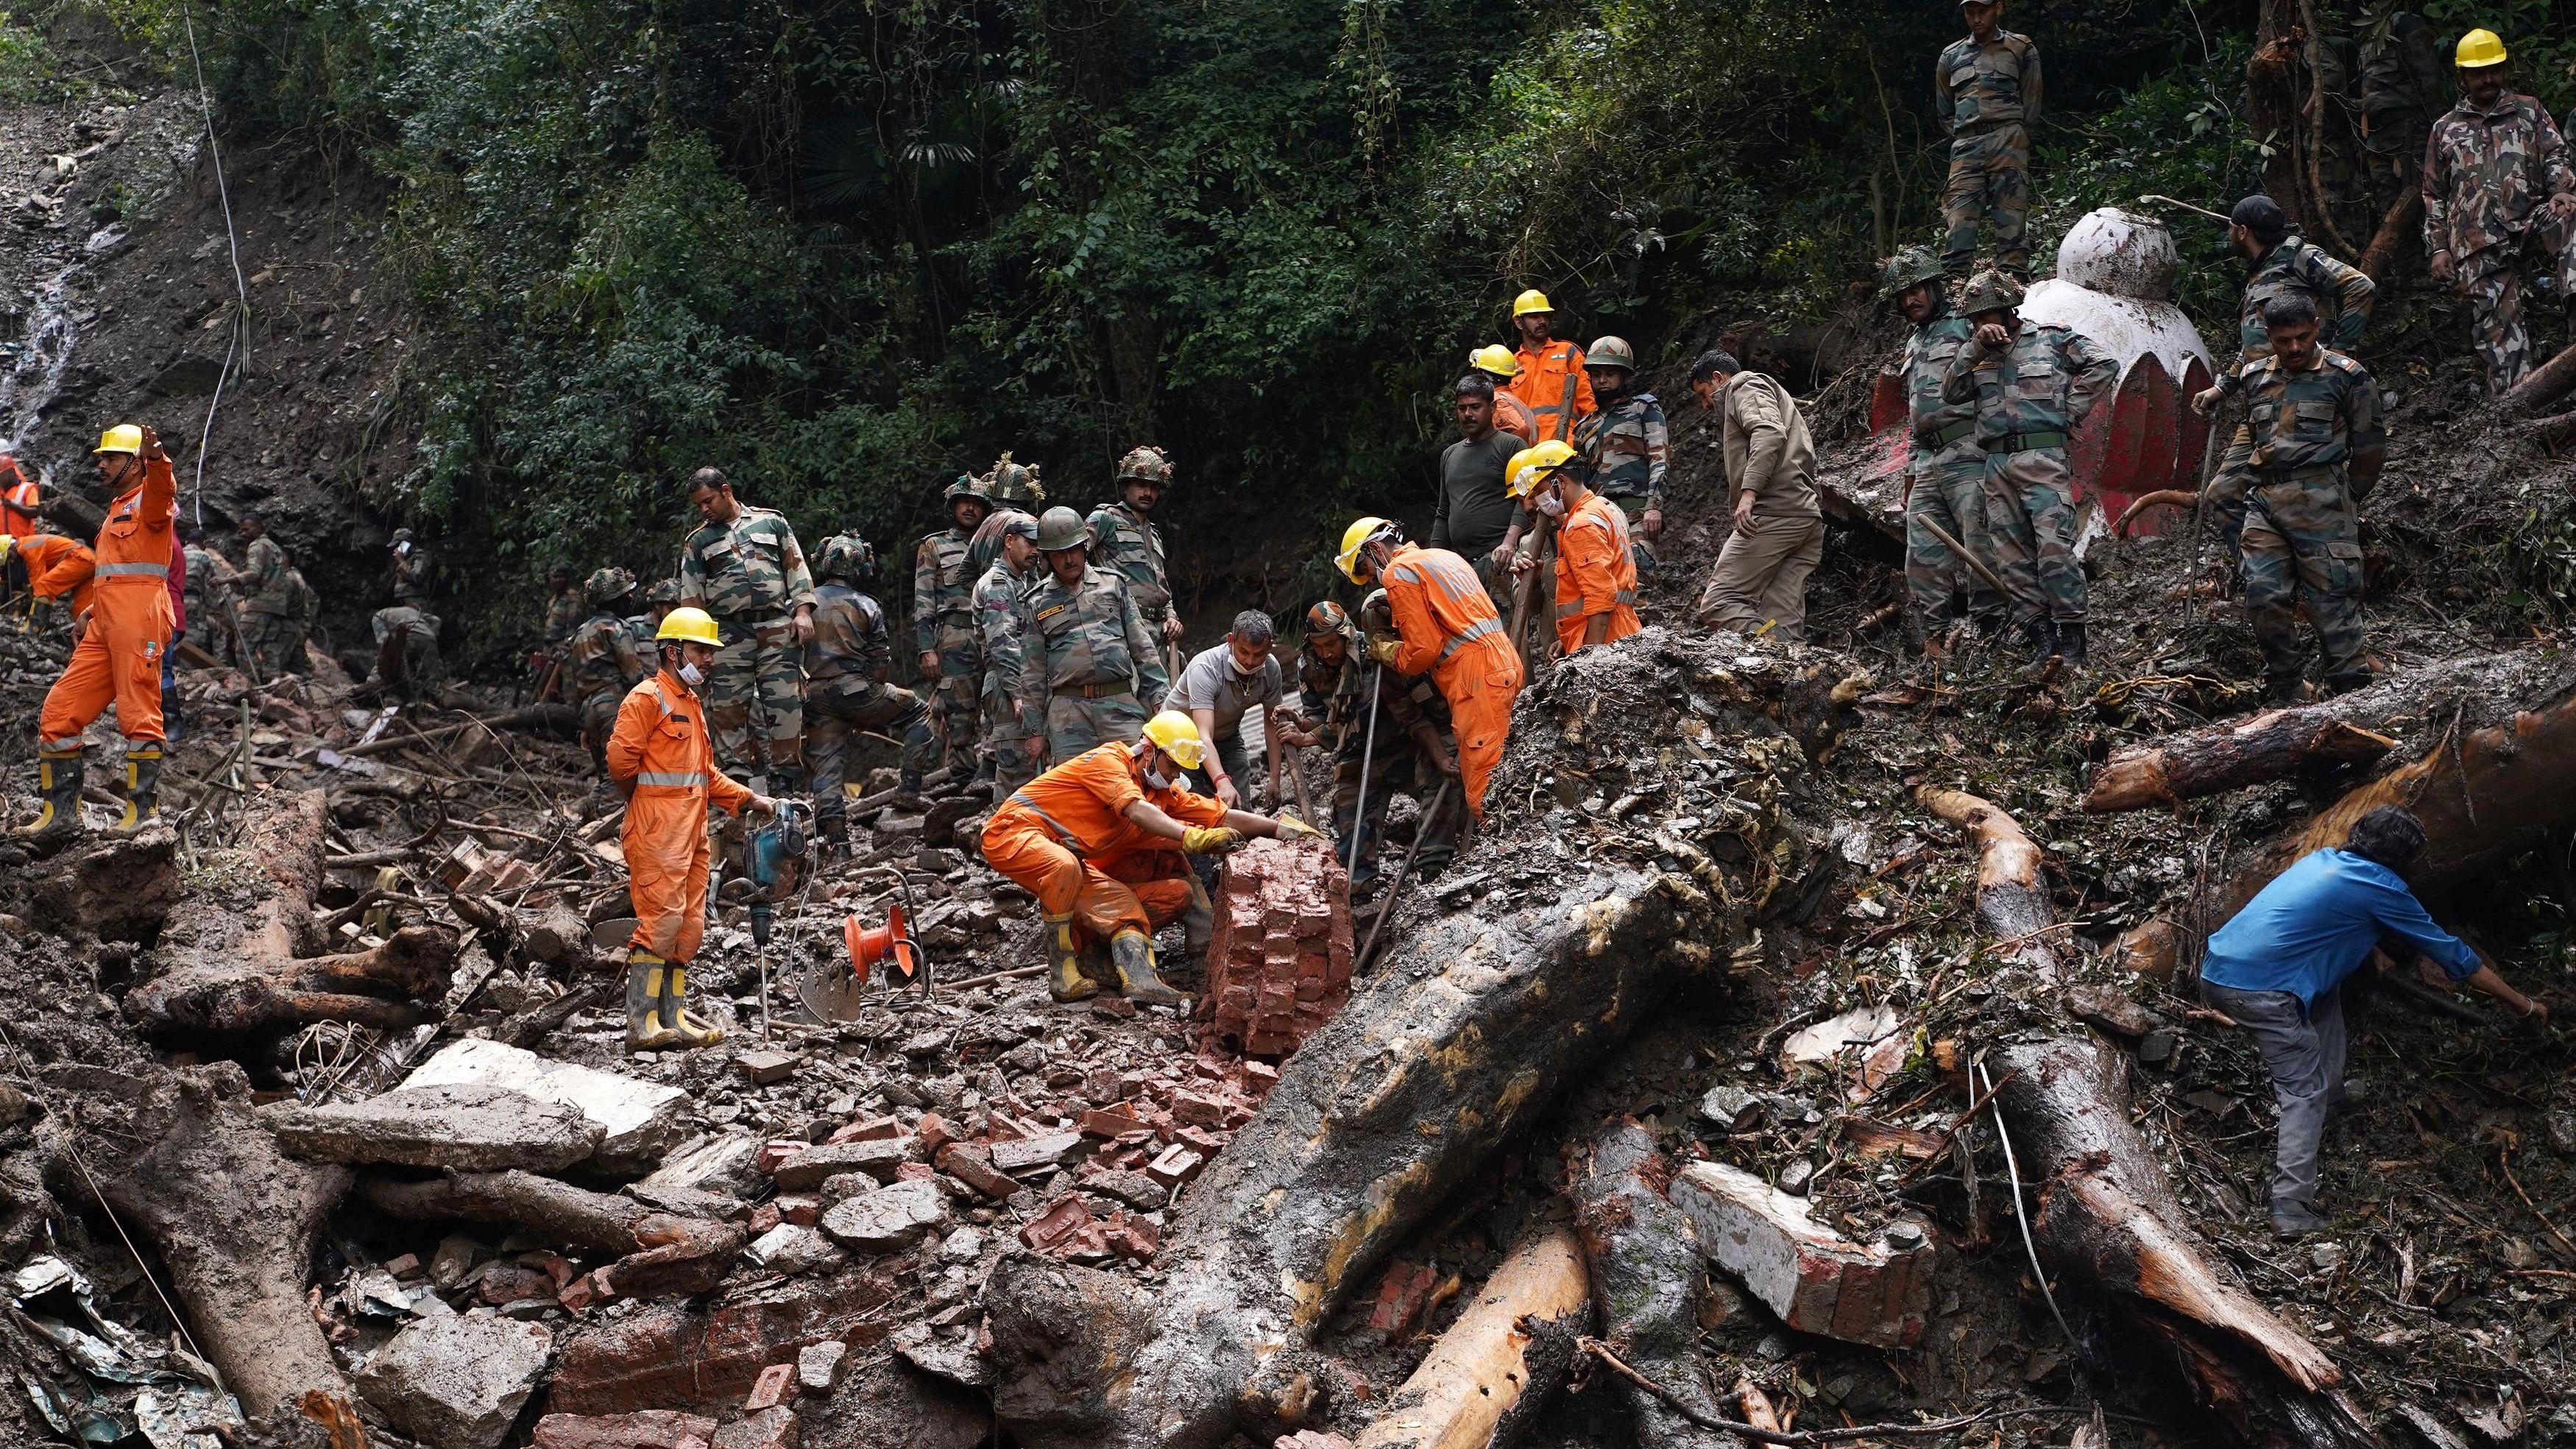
(58, 786)
(644, 1029)
(142, 784)
(1133, 955)
(675, 995)
(1065, 981)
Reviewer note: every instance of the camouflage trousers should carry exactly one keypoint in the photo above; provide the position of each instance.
(2491, 279)
(206, 631)
(2302, 544)
(1075, 723)
(276, 641)
(1396, 766)
(1004, 745)
(1949, 493)
(759, 665)
(835, 712)
(598, 722)
(1989, 181)
(2030, 523)
(407, 650)
(955, 698)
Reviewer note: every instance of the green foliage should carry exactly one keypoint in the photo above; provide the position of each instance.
(27, 65)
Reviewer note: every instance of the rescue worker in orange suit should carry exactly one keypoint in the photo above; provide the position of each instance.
(1551, 379)
(19, 500)
(1596, 571)
(662, 759)
(127, 629)
(1100, 840)
(1445, 626)
(56, 567)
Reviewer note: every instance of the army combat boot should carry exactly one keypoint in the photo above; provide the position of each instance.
(2070, 644)
(1065, 978)
(2042, 634)
(58, 786)
(142, 784)
(1133, 955)
(691, 1031)
(644, 1029)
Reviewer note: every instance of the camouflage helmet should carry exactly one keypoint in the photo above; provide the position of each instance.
(845, 556)
(1911, 267)
(1015, 483)
(1062, 528)
(1990, 291)
(1610, 352)
(1328, 618)
(967, 486)
(663, 591)
(1146, 465)
(609, 584)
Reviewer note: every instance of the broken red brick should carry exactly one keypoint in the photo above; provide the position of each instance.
(643, 1429)
(776, 1384)
(512, 1283)
(1198, 1110)
(777, 1150)
(914, 1172)
(973, 1166)
(1063, 1219)
(405, 1266)
(579, 1294)
(1259, 1077)
(763, 1218)
(801, 1208)
(1204, 1143)
(867, 1129)
(1134, 1238)
(1400, 1296)
(1108, 1122)
(674, 1354)
(1177, 1165)
(934, 1133)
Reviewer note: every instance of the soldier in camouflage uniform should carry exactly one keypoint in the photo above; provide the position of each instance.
(2283, 266)
(407, 661)
(2318, 446)
(2497, 186)
(1090, 662)
(1625, 446)
(1125, 542)
(209, 595)
(743, 566)
(413, 572)
(849, 664)
(659, 601)
(1002, 624)
(1411, 754)
(603, 661)
(272, 611)
(1989, 91)
(943, 622)
(2033, 383)
(1945, 469)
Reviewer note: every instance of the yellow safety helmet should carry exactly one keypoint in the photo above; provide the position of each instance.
(692, 625)
(2479, 49)
(1497, 359)
(1532, 466)
(127, 438)
(1357, 537)
(1530, 301)
(1177, 735)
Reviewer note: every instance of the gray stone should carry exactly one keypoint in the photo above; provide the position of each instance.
(724, 1163)
(1044, 1150)
(887, 1219)
(458, 1383)
(953, 1359)
(640, 1120)
(788, 1248)
(819, 1365)
(1730, 1109)
(806, 1171)
(467, 1126)
(1134, 1189)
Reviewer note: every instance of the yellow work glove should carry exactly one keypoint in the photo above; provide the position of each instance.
(1292, 828)
(1210, 839)
(1383, 650)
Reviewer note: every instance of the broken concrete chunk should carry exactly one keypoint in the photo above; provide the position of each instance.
(467, 1126)
(771, 1428)
(643, 1429)
(887, 1219)
(1132, 1188)
(788, 1248)
(457, 1382)
(1047, 1149)
(640, 1119)
(922, 1347)
(807, 1170)
(721, 1163)
(819, 1365)
(764, 1067)
(1815, 1279)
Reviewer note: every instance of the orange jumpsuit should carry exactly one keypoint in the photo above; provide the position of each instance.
(57, 566)
(659, 754)
(118, 657)
(1449, 629)
(1065, 838)
(1596, 573)
(1556, 388)
(1511, 415)
(18, 500)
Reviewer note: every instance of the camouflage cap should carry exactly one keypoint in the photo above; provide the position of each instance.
(1911, 267)
(663, 591)
(1990, 291)
(1062, 528)
(1146, 465)
(609, 584)
(1328, 618)
(1015, 483)
(845, 556)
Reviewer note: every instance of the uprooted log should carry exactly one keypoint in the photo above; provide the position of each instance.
(1491, 1374)
(245, 971)
(661, 1254)
(1648, 1276)
(2547, 383)
(2012, 895)
(559, 718)
(2107, 1218)
(180, 1157)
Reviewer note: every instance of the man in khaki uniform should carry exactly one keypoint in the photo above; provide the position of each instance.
(1760, 580)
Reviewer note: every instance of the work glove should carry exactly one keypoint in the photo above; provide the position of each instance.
(1383, 650)
(1292, 828)
(1210, 839)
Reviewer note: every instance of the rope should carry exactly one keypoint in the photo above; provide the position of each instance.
(239, 345)
(2021, 1212)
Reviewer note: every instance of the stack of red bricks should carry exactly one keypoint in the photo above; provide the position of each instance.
(1279, 963)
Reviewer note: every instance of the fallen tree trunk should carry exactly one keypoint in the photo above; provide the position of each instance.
(2395, 229)
(663, 1254)
(556, 717)
(2107, 1218)
(244, 971)
(2012, 896)
(1490, 1376)
(2227, 757)
(1648, 1276)
(2547, 383)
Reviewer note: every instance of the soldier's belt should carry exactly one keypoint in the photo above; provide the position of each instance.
(2026, 442)
(1094, 691)
(1943, 437)
(2300, 473)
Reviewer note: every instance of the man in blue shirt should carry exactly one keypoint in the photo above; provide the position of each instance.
(2277, 969)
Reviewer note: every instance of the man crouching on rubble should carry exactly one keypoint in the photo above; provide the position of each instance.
(2277, 969)
(1099, 839)
(662, 760)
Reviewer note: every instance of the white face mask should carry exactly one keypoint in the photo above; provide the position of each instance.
(1551, 505)
(1154, 781)
(692, 676)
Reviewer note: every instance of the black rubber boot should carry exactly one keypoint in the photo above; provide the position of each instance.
(1133, 955)
(58, 786)
(2042, 634)
(142, 784)
(2070, 644)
